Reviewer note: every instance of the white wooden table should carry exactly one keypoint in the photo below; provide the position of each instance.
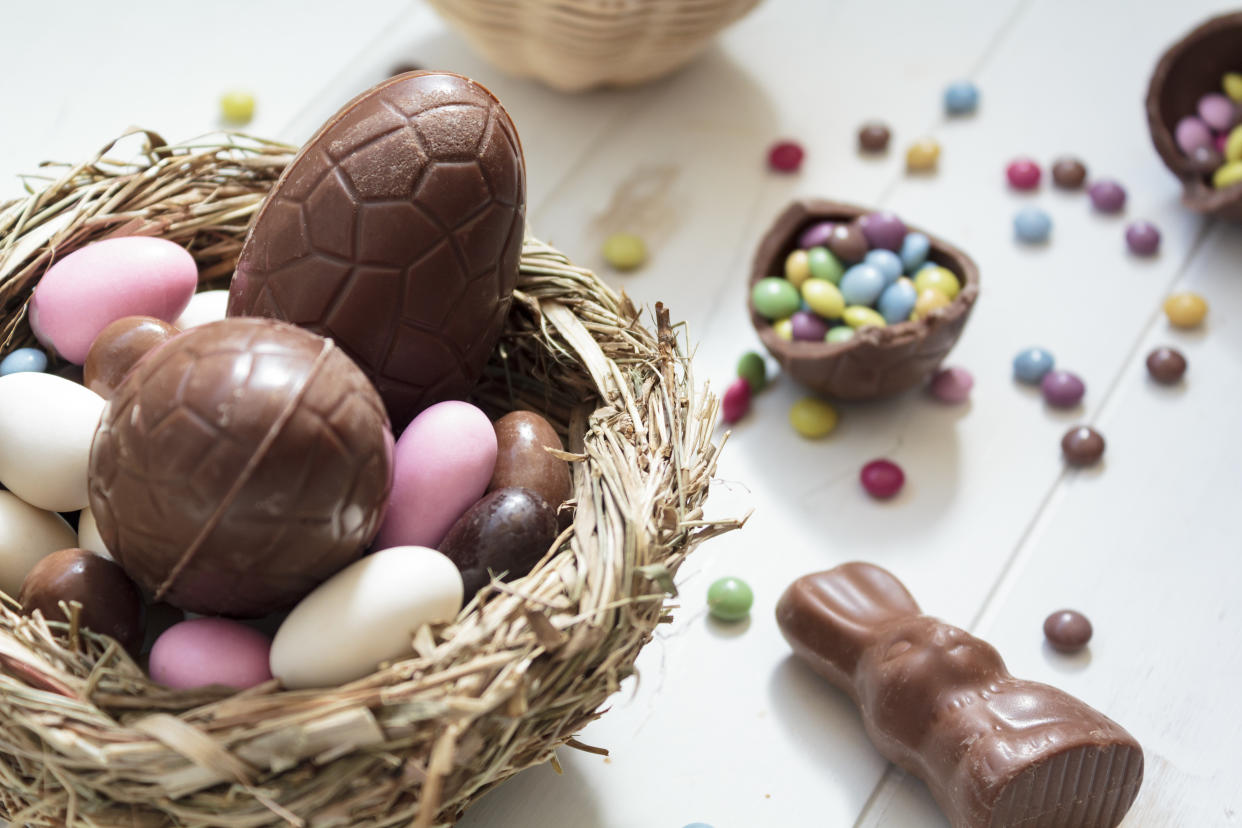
(991, 531)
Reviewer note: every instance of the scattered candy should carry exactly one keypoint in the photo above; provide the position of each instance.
(1023, 174)
(882, 478)
(824, 264)
(1082, 446)
(929, 300)
(785, 156)
(1143, 238)
(807, 327)
(729, 599)
(1192, 134)
(923, 155)
(873, 136)
(1031, 364)
(1218, 112)
(824, 298)
(1166, 365)
(736, 401)
(862, 284)
(1068, 173)
(841, 333)
(1031, 225)
(23, 360)
(754, 370)
(898, 300)
(812, 418)
(1062, 389)
(952, 385)
(1067, 631)
(961, 98)
(860, 316)
(236, 106)
(939, 279)
(883, 230)
(1185, 310)
(775, 298)
(625, 251)
(914, 250)
(1107, 196)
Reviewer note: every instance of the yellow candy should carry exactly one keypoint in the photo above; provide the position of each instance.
(861, 316)
(1232, 84)
(812, 418)
(237, 107)
(1227, 175)
(797, 267)
(824, 298)
(928, 301)
(625, 251)
(937, 278)
(784, 328)
(1233, 145)
(922, 155)
(1185, 310)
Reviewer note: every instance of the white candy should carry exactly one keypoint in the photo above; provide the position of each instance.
(365, 614)
(46, 427)
(208, 306)
(27, 536)
(88, 535)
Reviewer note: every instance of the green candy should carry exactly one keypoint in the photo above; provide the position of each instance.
(841, 333)
(729, 599)
(824, 265)
(624, 251)
(752, 369)
(775, 298)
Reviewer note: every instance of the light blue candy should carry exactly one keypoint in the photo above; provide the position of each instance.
(23, 359)
(698, 825)
(914, 250)
(897, 301)
(961, 98)
(1030, 365)
(887, 262)
(1032, 225)
(862, 284)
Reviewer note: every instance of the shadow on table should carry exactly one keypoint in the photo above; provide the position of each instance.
(564, 799)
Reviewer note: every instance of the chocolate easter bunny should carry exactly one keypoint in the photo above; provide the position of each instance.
(996, 751)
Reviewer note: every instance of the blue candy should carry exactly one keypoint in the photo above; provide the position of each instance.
(897, 301)
(1030, 365)
(862, 284)
(887, 262)
(23, 359)
(698, 825)
(1032, 225)
(961, 98)
(914, 250)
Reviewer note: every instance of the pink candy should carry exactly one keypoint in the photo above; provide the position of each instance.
(1218, 112)
(882, 478)
(208, 651)
(1191, 134)
(785, 156)
(952, 385)
(736, 401)
(1023, 174)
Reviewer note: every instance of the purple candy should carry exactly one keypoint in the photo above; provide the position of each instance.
(808, 327)
(816, 235)
(1218, 112)
(1062, 389)
(952, 385)
(883, 230)
(1107, 195)
(1143, 238)
(1192, 134)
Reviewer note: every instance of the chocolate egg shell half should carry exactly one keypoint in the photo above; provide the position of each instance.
(507, 532)
(239, 466)
(875, 362)
(1187, 71)
(111, 604)
(396, 231)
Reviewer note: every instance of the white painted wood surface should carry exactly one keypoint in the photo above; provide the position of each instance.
(991, 532)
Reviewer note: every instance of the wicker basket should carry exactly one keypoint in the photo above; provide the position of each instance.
(573, 45)
(88, 740)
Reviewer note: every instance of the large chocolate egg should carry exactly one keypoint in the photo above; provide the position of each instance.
(396, 231)
(239, 466)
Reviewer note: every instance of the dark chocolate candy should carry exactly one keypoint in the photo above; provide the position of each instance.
(118, 348)
(396, 231)
(873, 136)
(239, 466)
(1069, 173)
(1166, 365)
(847, 241)
(111, 603)
(1067, 630)
(507, 532)
(521, 459)
(1082, 446)
(994, 750)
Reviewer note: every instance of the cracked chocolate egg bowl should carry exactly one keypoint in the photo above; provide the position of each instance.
(877, 361)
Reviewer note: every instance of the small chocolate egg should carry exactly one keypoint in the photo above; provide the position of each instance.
(523, 460)
(111, 604)
(506, 532)
(210, 651)
(119, 347)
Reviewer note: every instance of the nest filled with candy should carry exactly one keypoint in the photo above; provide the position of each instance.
(90, 739)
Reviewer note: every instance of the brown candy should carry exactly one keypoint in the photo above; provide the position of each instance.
(847, 242)
(1166, 365)
(1069, 173)
(508, 531)
(1067, 631)
(111, 604)
(521, 459)
(396, 232)
(994, 750)
(873, 137)
(1082, 446)
(118, 348)
(240, 466)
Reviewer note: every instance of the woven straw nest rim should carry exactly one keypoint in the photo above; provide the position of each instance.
(89, 740)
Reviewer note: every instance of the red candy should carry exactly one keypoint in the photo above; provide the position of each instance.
(736, 401)
(1023, 174)
(882, 478)
(785, 156)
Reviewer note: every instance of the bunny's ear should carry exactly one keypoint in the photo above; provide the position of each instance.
(830, 618)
